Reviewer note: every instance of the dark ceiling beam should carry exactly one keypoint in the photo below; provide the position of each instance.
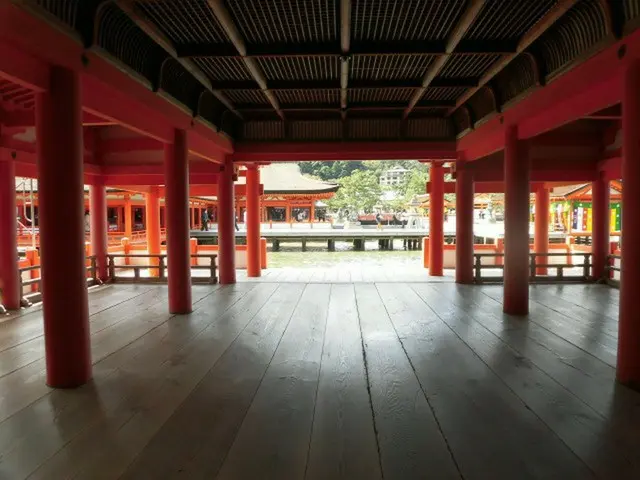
(461, 28)
(310, 107)
(345, 45)
(525, 42)
(225, 20)
(465, 47)
(336, 84)
(127, 6)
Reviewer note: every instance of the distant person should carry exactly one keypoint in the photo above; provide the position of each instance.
(235, 220)
(205, 221)
(87, 221)
(379, 220)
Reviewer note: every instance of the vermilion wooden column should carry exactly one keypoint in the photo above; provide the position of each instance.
(436, 220)
(61, 217)
(253, 221)
(601, 226)
(226, 225)
(541, 236)
(628, 371)
(516, 224)
(9, 274)
(177, 209)
(98, 219)
(128, 220)
(464, 225)
(152, 203)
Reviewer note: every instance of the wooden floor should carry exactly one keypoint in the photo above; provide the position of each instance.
(327, 381)
(356, 272)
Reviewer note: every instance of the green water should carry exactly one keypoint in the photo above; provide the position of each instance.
(315, 257)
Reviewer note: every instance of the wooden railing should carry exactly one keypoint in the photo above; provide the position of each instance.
(159, 265)
(534, 265)
(612, 270)
(34, 284)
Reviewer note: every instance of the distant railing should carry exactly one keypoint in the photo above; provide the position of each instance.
(159, 266)
(137, 236)
(612, 271)
(534, 276)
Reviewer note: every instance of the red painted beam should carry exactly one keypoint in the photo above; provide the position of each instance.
(540, 175)
(198, 145)
(22, 119)
(310, 151)
(125, 145)
(482, 187)
(157, 169)
(24, 70)
(108, 91)
(155, 179)
(585, 89)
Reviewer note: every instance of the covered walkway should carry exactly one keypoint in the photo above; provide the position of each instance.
(326, 380)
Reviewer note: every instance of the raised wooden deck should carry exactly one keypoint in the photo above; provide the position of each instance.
(327, 381)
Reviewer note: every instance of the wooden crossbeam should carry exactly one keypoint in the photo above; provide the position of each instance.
(345, 43)
(463, 25)
(531, 36)
(127, 6)
(333, 49)
(222, 15)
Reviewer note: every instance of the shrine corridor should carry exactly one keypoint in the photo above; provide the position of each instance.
(327, 380)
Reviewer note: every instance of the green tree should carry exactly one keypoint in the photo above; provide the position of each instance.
(360, 192)
(330, 170)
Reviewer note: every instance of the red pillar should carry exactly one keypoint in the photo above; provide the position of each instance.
(628, 371)
(62, 243)
(436, 220)
(152, 203)
(177, 209)
(516, 225)
(9, 274)
(253, 221)
(98, 218)
(464, 225)
(541, 236)
(128, 220)
(226, 225)
(601, 226)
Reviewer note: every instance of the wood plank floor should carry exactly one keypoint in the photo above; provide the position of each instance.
(327, 380)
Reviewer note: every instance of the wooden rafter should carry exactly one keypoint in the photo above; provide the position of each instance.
(345, 43)
(531, 36)
(454, 39)
(127, 6)
(224, 18)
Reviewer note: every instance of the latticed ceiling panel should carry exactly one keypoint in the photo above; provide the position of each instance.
(443, 93)
(295, 48)
(184, 21)
(468, 65)
(224, 68)
(123, 39)
(285, 21)
(388, 67)
(318, 129)
(508, 19)
(383, 20)
(247, 97)
(380, 95)
(301, 67)
(307, 96)
(580, 29)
